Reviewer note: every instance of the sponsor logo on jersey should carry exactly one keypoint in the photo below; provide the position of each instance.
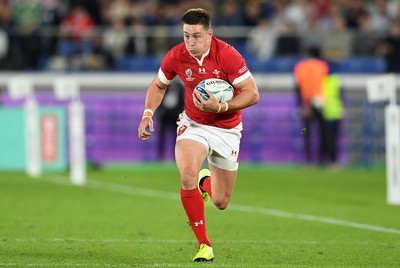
(242, 70)
(189, 73)
(202, 71)
(197, 223)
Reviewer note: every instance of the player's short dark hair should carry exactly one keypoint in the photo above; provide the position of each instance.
(195, 16)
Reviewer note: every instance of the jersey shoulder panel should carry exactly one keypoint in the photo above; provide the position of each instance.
(230, 60)
(168, 63)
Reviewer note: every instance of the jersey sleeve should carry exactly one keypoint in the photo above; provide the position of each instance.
(236, 66)
(167, 73)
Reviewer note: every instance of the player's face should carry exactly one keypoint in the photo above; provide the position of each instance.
(197, 39)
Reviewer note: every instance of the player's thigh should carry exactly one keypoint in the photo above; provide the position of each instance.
(189, 157)
(222, 185)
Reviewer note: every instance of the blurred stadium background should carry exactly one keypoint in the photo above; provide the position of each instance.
(114, 48)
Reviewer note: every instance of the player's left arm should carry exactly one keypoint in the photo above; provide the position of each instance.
(241, 79)
(248, 95)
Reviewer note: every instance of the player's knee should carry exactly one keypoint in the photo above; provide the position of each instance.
(188, 180)
(221, 204)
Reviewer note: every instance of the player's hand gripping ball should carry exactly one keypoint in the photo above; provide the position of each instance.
(222, 90)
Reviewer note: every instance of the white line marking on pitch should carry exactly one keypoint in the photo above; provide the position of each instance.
(120, 188)
(171, 241)
(305, 217)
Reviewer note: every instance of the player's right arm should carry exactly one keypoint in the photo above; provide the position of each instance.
(155, 94)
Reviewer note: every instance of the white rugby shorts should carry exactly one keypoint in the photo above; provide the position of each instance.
(222, 144)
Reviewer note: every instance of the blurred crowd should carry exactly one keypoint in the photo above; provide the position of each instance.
(76, 35)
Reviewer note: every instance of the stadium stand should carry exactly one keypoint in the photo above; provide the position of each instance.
(140, 38)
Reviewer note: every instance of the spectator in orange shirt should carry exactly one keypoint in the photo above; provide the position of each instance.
(309, 75)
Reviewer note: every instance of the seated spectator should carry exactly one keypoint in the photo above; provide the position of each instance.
(139, 44)
(364, 40)
(328, 19)
(252, 13)
(288, 42)
(51, 18)
(97, 59)
(313, 36)
(322, 7)
(389, 48)
(77, 29)
(229, 14)
(118, 10)
(78, 24)
(261, 40)
(352, 10)
(115, 39)
(379, 17)
(337, 44)
(27, 17)
(295, 13)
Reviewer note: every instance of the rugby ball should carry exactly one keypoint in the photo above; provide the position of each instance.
(222, 90)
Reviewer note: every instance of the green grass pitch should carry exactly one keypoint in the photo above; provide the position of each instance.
(132, 217)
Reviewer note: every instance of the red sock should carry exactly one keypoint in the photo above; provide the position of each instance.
(194, 207)
(206, 186)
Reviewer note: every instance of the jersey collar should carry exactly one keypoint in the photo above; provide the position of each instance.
(200, 61)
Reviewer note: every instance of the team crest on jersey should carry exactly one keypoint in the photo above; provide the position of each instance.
(216, 72)
(189, 73)
(202, 71)
(181, 130)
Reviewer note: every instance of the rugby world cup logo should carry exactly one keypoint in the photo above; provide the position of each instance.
(189, 73)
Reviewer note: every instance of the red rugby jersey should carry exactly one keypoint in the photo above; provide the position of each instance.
(221, 61)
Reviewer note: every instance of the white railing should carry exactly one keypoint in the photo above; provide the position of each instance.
(140, 81)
